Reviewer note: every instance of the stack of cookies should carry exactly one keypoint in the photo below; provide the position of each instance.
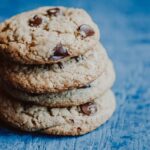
(55, 74)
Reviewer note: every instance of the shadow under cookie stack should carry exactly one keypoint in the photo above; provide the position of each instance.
(55, 74)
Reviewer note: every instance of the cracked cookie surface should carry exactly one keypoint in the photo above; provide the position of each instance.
(47, 35)
(73, 73)
(68, 98)
(75, 120)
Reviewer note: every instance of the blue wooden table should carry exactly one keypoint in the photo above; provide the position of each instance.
(125, 32)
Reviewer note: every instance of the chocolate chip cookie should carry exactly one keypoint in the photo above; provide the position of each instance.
(75, 120)
(73, 73)
(68, 98)
(47, 35)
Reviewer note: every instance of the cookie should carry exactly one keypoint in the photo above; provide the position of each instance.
(47, 35)
(75, 120)
(73, 73)
(68, 98)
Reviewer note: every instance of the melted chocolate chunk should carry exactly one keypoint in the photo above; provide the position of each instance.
(59, 52)
(35, 21)
(53, 11)
(85, 31)
(89, 108)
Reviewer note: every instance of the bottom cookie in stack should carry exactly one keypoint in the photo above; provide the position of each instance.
(76, 120)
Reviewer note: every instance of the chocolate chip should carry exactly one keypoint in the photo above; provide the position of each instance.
(53, 11)
(86, 86)
(88, 108)
(33, 122)
(85, 30)
(35, 21)
(78, 129)
(76, 58)
(60, 65)
(6, 28)
(71, 120)
(59, 52)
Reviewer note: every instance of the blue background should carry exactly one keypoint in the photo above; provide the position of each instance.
(125, 32)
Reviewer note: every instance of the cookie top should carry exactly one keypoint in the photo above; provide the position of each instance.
(47, 35)
(68, 98)
(73, 73)
(64, 121)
